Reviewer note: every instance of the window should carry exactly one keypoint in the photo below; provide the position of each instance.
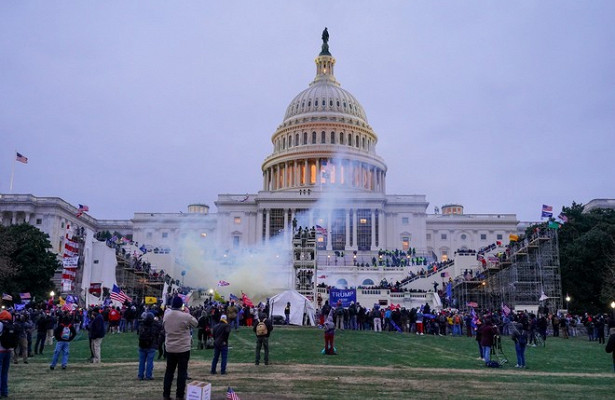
(313, 137)
(483, 236)
(165, 235)
(332, 137)
(349, 139)
(499, 236)
(464, 236)
(405, 243)
(368, 282)
(304, 137)
(39, 221)
(235, 242)
(443, 236)
(237, 220)
(323, 137)
(62, 225)
(428, 236)
(297, 139)
(404, 220)
(341, 138)
(148, 235)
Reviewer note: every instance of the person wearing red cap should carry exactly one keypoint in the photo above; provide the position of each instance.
(5, 356)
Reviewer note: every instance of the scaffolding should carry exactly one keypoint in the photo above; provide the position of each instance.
(528, 274)
(304, 262)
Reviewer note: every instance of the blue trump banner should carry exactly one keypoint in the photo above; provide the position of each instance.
(345, 295)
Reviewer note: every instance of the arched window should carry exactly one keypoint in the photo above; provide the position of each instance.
(304, 137)
(341, 283)
(323, 138)
(363, 144)
(341, 137)
(332, 137)
(313, 137)
(297, 139)
(356, 141)
(368, 282)
(350, 139)
(283, 143)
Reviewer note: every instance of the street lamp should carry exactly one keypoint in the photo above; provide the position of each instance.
(52, 293)
(567, 303)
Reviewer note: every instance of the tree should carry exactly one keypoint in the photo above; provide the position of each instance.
(587, 251)
(27, 263)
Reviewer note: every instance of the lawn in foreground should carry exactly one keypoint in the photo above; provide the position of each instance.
(369, 366)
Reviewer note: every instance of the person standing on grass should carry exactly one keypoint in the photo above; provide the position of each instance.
(177, 326)
(221, 334)
(519, 336)
(41, 333)
(488, 331)
(610, 345)
(329, 328)
(64, 334)
(5, 355)
(262, 329)
(149, 332)
(97, 333)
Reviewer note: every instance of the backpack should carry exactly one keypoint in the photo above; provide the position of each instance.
(261, 329)
(146, 337)
(493, 364)
(65, 335)
(10, 336)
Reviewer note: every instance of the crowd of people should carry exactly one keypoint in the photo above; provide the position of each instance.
(170, 331)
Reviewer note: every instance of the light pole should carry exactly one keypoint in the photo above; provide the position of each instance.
(567, 303)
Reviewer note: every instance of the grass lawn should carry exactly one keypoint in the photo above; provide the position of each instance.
(368, 366)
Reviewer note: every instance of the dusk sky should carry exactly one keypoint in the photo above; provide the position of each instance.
(150, 106)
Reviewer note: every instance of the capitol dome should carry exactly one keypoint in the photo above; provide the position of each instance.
(324, 140)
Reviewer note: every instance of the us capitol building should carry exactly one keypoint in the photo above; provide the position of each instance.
(323, 176)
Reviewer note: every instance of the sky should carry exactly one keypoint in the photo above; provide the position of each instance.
(130, 106)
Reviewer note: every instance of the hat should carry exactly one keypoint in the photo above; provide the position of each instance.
(177, 302)
(5, 316)
(223, 318)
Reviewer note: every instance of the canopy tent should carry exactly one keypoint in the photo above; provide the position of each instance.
(299, 306)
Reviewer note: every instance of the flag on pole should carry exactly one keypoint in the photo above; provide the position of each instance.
(223, 283)
(547, 211)
(233, 297)
(118, 294)
(231, 395)
(7, 297)
(82, 209)
(562, 217)
(21, 158)
(505, 309)
(25, 296)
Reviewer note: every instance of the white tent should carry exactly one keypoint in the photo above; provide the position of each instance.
(299, 305)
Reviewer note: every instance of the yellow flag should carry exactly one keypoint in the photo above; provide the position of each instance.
(217, 296)
(513, 237)
(151, 300)
(62, 301)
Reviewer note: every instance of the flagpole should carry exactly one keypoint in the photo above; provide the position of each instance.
(13, 172)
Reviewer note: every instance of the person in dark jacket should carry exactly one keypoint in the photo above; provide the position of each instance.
(222, 330)
(41, 333)
(149, 334)
(488, 331)
(262, 339)
(64, 334)
(97, 333)
(610, 345)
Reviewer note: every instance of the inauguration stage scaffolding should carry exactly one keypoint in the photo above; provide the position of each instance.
(526, 275)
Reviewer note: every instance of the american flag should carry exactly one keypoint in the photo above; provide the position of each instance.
(547, 211)
(21, 158)
(505, 309)
(321, 230)
(83, 207)
(231, 395)
(118, 294)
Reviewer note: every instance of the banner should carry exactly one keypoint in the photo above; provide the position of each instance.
(345, 295)
(151, 300)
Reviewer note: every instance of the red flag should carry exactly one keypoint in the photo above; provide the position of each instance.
(246, 300)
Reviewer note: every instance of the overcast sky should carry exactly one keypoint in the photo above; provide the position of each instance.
(150, 106)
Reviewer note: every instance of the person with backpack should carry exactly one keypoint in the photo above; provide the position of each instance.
(64, 334)
(8, 341)
(149, 332)
(262, 330)
(519, 336)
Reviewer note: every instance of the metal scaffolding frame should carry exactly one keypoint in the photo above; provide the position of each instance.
(528, 274)
(304, 262)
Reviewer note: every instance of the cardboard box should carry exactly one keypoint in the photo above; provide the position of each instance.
(198, 391)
